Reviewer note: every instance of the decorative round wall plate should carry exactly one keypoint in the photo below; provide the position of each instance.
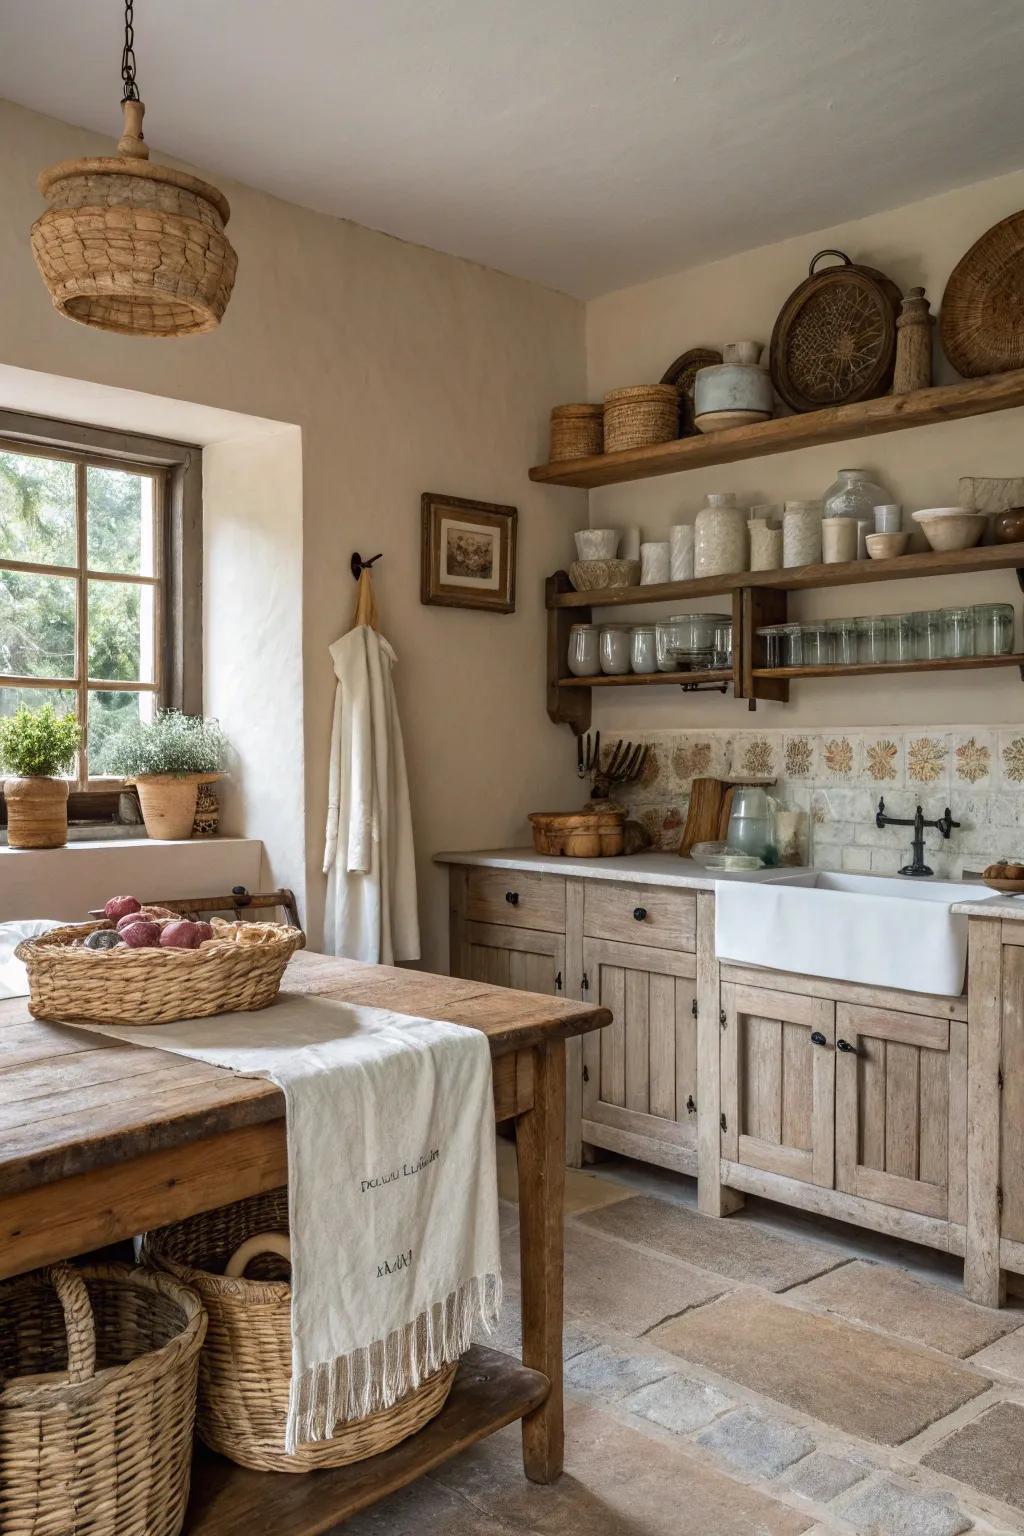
(834, 341)
(982, 317)
(683, 374)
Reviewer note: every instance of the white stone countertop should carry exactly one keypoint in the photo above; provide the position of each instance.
(995, 905)
(640, 868)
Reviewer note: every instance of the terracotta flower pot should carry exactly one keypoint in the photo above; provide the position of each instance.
(169, 802)
(37, 812)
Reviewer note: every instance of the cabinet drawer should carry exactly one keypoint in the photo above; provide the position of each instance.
(640, 914)
(517, 898)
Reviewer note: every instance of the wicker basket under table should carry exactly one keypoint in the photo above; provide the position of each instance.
(152, 986)
(97, 1401)
(245, 1367)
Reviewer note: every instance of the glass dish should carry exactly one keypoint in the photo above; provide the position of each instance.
(733, 861)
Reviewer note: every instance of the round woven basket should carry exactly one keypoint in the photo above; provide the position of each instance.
(577, 432)
(639, 416)
(245, 1368)
(97, 1401)
(980, 316)
(132, 247)
(227, 974)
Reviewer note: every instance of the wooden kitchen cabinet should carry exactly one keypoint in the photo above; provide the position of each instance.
(778, 1082)
(514, 957)
(901, 1106)
(640, 1072)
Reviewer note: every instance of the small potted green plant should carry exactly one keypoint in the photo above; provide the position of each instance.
(167, 759)
(37, 746)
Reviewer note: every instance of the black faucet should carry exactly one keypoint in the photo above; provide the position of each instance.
(944, 824)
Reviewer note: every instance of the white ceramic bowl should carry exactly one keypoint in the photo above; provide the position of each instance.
(951, 528)
(886, 546)
(598, 543)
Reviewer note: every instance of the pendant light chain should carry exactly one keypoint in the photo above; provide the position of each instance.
(131, 90)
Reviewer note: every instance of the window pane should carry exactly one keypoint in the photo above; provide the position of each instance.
(37, 625)
(37, 509)
(120, 521)
(120, 632)
(108, 714)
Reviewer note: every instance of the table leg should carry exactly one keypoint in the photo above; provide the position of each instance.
(540, 1147)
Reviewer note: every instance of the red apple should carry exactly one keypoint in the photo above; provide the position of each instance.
(182, 935)
(121, 906)
(141, 935)
(129, 917)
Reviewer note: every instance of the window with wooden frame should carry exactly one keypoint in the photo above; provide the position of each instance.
(100, 583)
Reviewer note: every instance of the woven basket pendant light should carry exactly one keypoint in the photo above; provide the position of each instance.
(131, 247)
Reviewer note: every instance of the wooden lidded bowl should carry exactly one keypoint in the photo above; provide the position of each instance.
(579, 834)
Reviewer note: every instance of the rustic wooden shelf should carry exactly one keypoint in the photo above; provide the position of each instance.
(868, 418)
(797, 578)
(722, 677)
(490, 1391)
(864, 669)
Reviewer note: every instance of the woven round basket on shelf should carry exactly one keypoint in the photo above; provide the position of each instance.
(245, 1368)
(980, 317)
(132, 247)
(577, 432)
(239, 969)
(97, 1401)
(639, 416)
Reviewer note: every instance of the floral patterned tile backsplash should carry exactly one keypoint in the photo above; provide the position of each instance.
(838, 776)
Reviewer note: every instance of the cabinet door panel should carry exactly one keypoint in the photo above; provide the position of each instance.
(777, 1083)
(640, 1064)
(514, 957)
(895, 1103)
(1011, 1171)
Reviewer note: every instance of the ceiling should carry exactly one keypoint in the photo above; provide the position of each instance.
(586, 144)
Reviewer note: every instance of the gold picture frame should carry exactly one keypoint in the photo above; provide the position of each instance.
(468, 553)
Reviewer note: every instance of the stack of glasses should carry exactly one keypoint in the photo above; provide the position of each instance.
(986, 629)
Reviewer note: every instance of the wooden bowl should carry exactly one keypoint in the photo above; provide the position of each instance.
(579, 834)
(1008, 887)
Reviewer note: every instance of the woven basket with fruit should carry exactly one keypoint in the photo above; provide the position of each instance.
(148, 965)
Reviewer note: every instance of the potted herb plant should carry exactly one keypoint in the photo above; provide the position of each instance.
(36, 747)
(167, 760)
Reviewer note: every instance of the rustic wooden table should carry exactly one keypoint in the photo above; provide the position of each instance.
(99, 1141)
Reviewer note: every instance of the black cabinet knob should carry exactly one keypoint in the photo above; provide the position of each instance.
(844, 1045)
(639, 913)
(512, 897)
(817, 1038)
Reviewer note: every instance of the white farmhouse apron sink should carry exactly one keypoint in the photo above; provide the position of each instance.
(883, 931)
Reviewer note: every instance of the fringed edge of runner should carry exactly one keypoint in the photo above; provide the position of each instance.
(378, 1376)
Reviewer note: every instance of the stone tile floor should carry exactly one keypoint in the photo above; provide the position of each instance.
(659, 1444)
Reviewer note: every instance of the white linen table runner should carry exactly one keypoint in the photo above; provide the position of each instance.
(392, 1190)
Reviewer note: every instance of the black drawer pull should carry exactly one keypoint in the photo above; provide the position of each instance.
(512, 897)
(844, 1045)
(817, 1038)
(639, 913)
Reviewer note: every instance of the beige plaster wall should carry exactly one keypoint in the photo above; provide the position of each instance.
(406, 371)
(634, 334)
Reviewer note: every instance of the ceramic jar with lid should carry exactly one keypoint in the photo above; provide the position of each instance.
(735, 391)
(720, 537)
(583, 657)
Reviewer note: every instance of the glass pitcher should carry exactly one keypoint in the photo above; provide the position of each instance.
(752, 823)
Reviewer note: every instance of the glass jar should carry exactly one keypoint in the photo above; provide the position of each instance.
(719, 538)
(613, 649)
(928, 639)
(899, 638)
(801, 533)
(721, 656)
(844, 641)
(957, 632)
(854, 494)
(816, 645)
(771, 638)
(643, 649)
(872, 637)
(583, 655)
(993, 629)
(792, 645)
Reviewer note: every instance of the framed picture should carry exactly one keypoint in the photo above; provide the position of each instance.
(469, 553)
